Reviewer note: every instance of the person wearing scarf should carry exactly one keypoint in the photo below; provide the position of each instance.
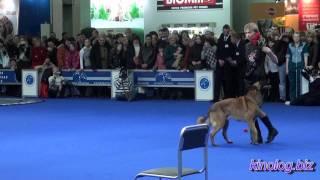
(255, 74)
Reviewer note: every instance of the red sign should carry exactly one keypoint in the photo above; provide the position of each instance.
(173, 3)
(309, 14)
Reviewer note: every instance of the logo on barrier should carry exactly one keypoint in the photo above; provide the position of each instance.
(204, 83)
(163, 78)
(29, 80)
(79, 76)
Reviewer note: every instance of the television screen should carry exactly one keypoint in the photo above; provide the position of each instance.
(115, 14)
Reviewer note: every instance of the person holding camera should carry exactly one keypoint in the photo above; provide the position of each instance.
(56, 84)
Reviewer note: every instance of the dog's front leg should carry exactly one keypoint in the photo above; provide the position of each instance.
(253, 132)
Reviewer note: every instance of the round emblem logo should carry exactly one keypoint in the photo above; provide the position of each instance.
(204, 83)
(29, 80)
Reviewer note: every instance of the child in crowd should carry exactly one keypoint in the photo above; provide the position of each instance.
(160, 60)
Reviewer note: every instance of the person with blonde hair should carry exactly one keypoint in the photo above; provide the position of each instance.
(256, 51)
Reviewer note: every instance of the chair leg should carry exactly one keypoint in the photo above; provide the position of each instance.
(206, 174)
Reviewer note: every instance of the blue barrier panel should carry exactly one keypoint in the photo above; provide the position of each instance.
(88, 77)
(8, 77)
(164, 78)
(142, 78)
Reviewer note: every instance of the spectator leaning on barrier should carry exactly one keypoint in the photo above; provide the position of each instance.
(72, 60)
(208, 54)
(85, 62)
(136, 61)
(187, 44)
(148, 53)
(177, 64)
(52, 52)
(100, 54)
(160, 60)
(118, 57)
(38, 53)
(169, 52)
(61, 53)
(195, 54)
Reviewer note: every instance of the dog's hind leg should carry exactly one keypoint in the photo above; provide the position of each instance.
(213, 133)
(217, 121)
(224, 132)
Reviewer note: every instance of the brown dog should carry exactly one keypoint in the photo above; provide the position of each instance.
(245, 108)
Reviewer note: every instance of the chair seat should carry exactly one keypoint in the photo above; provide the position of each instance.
(168, 172)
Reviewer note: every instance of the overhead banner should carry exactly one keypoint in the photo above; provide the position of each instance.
(30, 83)
(309, 14)
(188, 4)
(204, 85)
(9, 17)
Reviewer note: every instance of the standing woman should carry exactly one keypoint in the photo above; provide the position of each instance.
(72, 60)
(148, 53)
(297, 59)
(255, 74)
(4, 58)
(85, 62)
(136, 61)
(38, 53)
(312, 50)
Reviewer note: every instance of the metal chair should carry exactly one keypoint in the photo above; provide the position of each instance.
(191, 137)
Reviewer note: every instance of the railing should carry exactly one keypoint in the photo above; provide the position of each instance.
(140, 78)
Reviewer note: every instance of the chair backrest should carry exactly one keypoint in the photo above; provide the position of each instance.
(192, 137)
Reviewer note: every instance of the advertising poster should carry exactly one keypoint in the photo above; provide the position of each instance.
(113, 14)
(309, 14)
(9, 16)
(188, 4)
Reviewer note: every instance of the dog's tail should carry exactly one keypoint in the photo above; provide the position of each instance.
(203, 120)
